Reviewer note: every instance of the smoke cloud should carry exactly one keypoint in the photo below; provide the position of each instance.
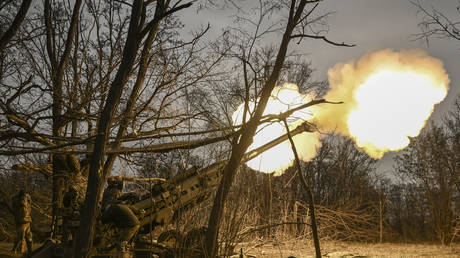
(387, 95)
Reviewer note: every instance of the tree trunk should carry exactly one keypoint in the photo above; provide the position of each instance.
(93, 192)
(241, 145)
(311, 202)
(58, 66)
(14, 27)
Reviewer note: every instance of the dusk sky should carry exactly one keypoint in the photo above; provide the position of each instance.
(371, 25)
(376, 24)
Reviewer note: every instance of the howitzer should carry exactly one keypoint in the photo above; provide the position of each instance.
(163, 202)
(193, 186)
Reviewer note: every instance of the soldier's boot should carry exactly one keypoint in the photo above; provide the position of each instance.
(15, 247)
(29, 247)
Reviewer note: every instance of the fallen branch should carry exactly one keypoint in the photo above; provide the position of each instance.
(263, 227)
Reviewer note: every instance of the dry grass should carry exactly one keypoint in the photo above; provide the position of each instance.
(304, 248)
(5, 250)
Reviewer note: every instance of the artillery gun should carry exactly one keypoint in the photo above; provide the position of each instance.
(160, 206)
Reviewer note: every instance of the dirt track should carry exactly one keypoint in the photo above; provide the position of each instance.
(304, 249)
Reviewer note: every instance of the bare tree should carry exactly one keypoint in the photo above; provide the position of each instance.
(15, 24)
(69, 74)
(296, 27)
(93, 81)
(340, 173)
(431, 163)
(436, 24)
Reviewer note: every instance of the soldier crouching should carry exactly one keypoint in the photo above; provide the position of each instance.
(124, 218)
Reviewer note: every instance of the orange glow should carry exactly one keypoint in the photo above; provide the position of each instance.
(387, 95)
(383, 120)
(280, 157)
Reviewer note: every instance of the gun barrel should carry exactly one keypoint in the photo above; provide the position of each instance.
(304, 127)
(194, 185)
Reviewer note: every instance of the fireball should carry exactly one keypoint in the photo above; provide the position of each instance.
(280, 157)
(388, 98)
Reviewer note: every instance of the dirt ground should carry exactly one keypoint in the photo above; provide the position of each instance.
(5, 250)
(305, 248)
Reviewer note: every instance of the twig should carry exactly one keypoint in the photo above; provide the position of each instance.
(262, 227)
(343, 44)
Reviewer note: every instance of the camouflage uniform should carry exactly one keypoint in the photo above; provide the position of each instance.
(113, 191)
(72, 202)
(124, 218)
(119, 214)
(22, 208)
(70, 214)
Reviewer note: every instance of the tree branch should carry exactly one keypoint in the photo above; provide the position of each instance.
(152, 23)
(8, 35)
(343, 44)
(49, 149)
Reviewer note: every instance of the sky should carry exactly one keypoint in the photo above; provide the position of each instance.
(372, 25)
(377, 24)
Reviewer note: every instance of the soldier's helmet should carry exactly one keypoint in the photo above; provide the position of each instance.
(115, 184)
(128, 198)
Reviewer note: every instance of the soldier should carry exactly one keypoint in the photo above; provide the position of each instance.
(22, 208)
(70, 214)
(72, 201)
(119, 214)
(113, 191)
(124, 218)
